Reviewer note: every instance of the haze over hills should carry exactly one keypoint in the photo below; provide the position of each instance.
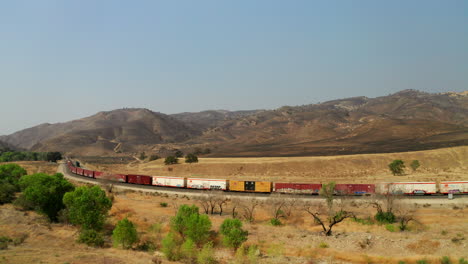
(407, 120)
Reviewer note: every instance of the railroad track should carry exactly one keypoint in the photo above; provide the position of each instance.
(433, 199)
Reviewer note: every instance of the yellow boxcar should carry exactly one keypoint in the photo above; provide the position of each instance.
(250, 186)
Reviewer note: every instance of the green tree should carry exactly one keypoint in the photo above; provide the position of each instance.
(233, 234)
(206, 255)
(171, 160)
(191, 158)
(189, 251)
(87, 207)
(11, 173)
(45, 192)
(397, 167)
(54, 156)
(189, 223)
(327, 192)
(154, 157)
(124, 234)
(415, 165)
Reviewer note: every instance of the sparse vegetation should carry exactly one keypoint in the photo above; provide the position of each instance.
(206, 255)
(142, 156)
(91, 237)
(171, 160)
(9, 156)
(124, 234)
(390, 227)
(397, 167)
(163, 204)
(323, 245)
(178, 153)
(154, 157)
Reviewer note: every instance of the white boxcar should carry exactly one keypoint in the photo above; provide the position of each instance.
(169, 181)
(447, 187)
(407, 187)
(207, 184)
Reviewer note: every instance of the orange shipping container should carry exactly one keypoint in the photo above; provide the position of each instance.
(250, 186)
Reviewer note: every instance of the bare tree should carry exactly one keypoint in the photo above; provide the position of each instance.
(220, 200)
(290, 205)
(235, 204)
(249, 206)
(326, 216)
(385, 203)
(276, 203)
(405, 215)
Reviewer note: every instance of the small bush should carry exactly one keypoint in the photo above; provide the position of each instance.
(163, 204)
(171, 247)
(385, 217)
(4, 240)
(363, 221)
(401, 262)
(390, 227)
(7, 192)
(171, 160)
(445, 260)
(191, 158)
(147, 246)
(154, 157)
(233, 234)
(91, 237)
(189, 251)
(275, 222)
(206, 255)
(323, 245)
(422, 261)
(462, 261)
(444, 232)
(124, 234)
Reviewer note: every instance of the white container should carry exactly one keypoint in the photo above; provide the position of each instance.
(448, 187)
(412, 187)
(169, 181)
(207, 184)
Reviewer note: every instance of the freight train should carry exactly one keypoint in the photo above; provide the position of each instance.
(404, 188)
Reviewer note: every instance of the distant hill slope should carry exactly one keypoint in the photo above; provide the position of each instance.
(103, 132)
(407, 120)
(4, 146)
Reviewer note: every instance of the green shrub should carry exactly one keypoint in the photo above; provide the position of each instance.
(189, 223)
(171, 247)
(147, 246)
(124, 234)
(363, 221)
(191, 158)
(275, 222)
(390, 227)
(11, 173)
(397, 167)
(323, 245)
(7, 192)
(462, 261)
(4, 240)
(385, 217)
(422, 261)
(91, 237)
(189, 251)
(401, 262)
(233, 234)
(163, 204)
(206, 255)
(171, 160)
(445, 260)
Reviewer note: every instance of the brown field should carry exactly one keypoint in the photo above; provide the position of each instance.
(36, 166)
(439, 164)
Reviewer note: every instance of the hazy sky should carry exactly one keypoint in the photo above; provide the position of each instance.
(62, 60)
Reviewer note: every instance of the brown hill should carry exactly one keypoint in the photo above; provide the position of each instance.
(407, 120)
(123, 129)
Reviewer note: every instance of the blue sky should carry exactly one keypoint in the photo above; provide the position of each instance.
(62, 60)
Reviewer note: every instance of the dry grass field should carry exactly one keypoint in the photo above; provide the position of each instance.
(439, 164)
(36, 166)
(440, 230)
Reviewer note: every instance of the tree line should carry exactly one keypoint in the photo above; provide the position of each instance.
(9, 156)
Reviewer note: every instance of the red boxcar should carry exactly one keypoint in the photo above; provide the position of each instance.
(98, 174)
(354, 189)
(88, 173)
(79, 171)
(303, 188)
(111, 177)
(73, 169)
(139, 179)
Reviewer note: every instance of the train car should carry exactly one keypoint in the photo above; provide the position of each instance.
(354, 189)
(250, 186)
(297, 188)
(73, 169)
(88, 173)
(79, 171)
(111, 177)
(139, 179)
(457, 187)
(409, 188)
(169, 181)
(207, 184)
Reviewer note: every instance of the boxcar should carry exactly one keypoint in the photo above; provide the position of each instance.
(139, 179)
(88, 173)
(447, 187)
(250, 186)
(169, 181)
(98, 174)
(297, 188)
(73, 169)
(207, 184)
(79, 171)
(411, 188)
(354, 189)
